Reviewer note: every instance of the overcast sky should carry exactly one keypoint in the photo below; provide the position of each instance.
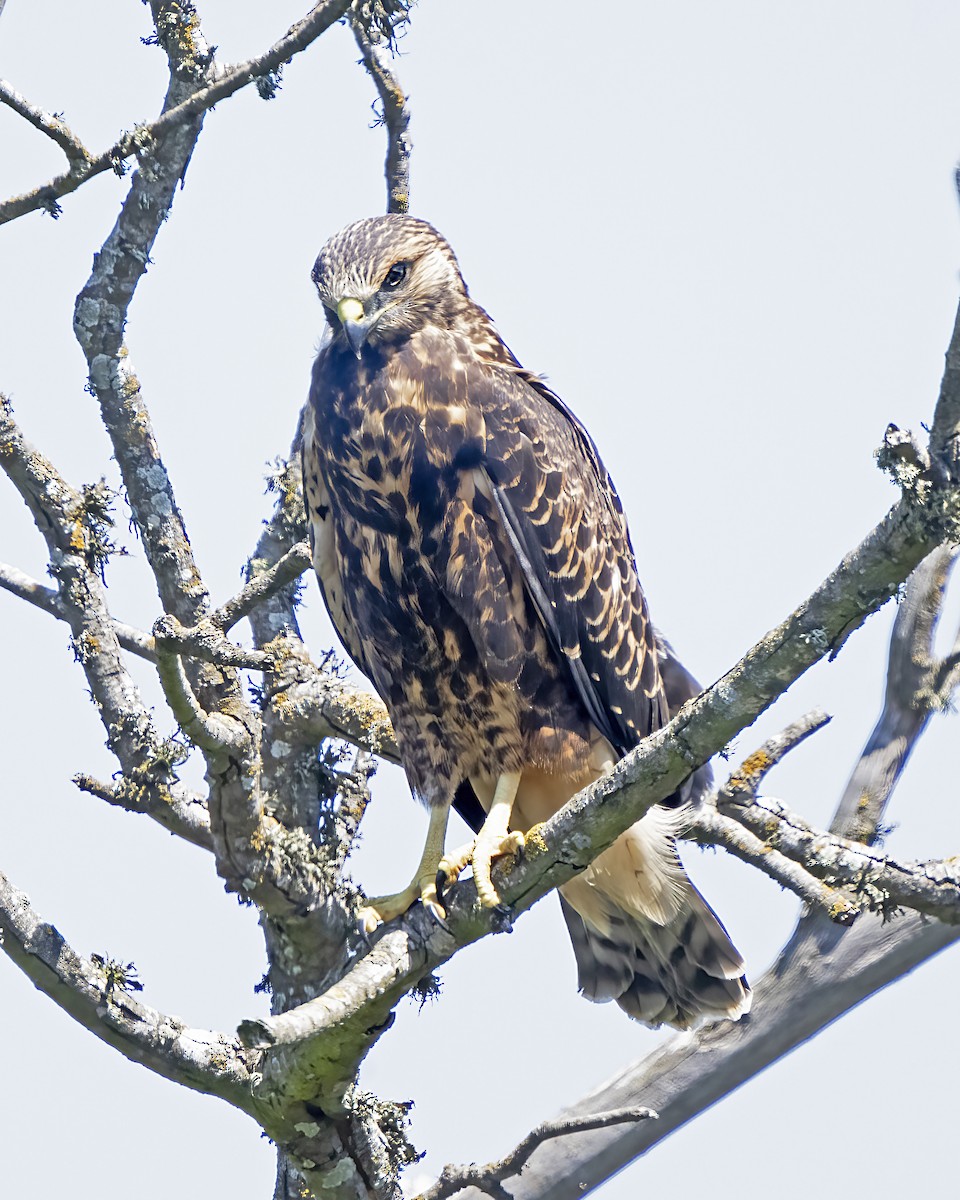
(728, 234)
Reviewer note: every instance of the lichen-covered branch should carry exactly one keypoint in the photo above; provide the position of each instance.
(98, 996)
(48, 123)
(711, 828)
(176, 808)
(75, 526)
(262, 585)
(18, 583)
(377, 42)
(877, 880)
(184, 110)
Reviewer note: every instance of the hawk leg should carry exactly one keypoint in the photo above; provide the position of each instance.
(422, 887)
(493, 840)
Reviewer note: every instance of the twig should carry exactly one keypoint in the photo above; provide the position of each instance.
(711, 828)
(34, 592)
(48, 123)
(138, 141)
(376, 47)
(746, 780)
(260, 587)
(490, 1178)
(177, 809)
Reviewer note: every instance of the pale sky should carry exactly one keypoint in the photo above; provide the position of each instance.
(728, 233)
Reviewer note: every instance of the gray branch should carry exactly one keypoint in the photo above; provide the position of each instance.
(376, 46)
(49, 123)
(185, 110)
(99, 1000)
(917, 686)
(823, 972)
(489, 1179)
(23, 586)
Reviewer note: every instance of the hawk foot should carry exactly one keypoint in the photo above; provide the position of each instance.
(479, 855)
(380, 909)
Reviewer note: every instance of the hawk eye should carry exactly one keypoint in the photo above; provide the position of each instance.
(395, 276)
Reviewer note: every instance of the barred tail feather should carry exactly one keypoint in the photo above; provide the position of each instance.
(645, 937)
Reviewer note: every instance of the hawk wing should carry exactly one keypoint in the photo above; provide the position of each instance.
(566, 526)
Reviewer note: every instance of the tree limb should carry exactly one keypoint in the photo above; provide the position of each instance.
(917, 685)
(34, 592)
(489, 1179)
(260, 587)
(200, 1059)
(182, 112)
(177, 809)
(49, 123)
(823, 972)
(377, 48)
(711, 828)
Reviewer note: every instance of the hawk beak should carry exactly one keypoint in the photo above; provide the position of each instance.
(351, 314)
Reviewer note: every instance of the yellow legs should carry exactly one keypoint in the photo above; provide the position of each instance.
(492, 841)
(422, 887)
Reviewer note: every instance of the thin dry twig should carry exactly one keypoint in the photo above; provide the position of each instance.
(261, 587)
(490, 1178)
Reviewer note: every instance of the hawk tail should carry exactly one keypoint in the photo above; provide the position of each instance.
(645, 937)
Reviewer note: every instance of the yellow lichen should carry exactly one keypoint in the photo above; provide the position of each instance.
(533, 842)
(757, 762)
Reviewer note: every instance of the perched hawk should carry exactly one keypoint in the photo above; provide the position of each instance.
(475, 560)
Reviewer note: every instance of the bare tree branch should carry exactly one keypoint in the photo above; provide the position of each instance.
(823, 972)
(917, 686)
(927, 887)
(177, 809)
(200, 1059)
(184, 111)
(490, 1178)
(75, 530)
(49, 123)
(34, 592)
(745, 782)
(286, 570)
(377, 48)
(214, 733)
(711, 828)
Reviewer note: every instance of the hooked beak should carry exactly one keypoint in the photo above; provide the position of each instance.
(354, 322)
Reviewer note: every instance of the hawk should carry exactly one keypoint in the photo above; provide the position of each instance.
(475, 560)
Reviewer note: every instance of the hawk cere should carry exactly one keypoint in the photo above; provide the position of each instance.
(475, 561)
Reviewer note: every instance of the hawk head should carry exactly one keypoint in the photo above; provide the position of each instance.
(383, 278)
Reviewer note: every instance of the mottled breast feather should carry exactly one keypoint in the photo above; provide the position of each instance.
(463, 522)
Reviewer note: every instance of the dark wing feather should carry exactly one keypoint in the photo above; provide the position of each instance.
(565, 524)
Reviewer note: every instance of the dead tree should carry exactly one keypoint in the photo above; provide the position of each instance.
(278, 819)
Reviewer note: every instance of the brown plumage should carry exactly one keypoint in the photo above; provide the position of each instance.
(475, 560)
